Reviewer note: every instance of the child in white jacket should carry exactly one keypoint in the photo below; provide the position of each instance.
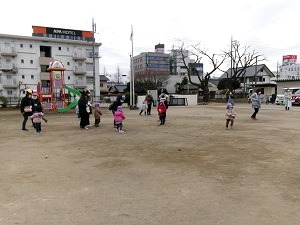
(230, 116)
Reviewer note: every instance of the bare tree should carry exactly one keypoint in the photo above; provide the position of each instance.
(216, 60)
(150, 80)
(241, 58)
(118, 75)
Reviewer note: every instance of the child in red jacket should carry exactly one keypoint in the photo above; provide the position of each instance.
(161, 108)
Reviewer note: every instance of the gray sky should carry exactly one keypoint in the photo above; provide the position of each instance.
(268, 26)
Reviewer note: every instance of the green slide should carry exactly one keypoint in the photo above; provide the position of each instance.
(74, 103)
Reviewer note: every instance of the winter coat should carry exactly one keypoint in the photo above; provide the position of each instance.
(119, 116)
(37, 117)
(229, 113)
(26, 102)
(161, 108)
(256, 101)
(97, 113)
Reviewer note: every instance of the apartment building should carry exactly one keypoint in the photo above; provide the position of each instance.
(156, 62)
(24, 60)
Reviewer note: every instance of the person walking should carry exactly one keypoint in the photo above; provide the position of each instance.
(230, 98)
(97, 114)
(119, 117)
(26, 108)
(161, 109)
(256, 103)
(287, 99)
(84, 110)
(114, 106)
(149, 99)
(230, 116)
(143, 108)
(37, 117)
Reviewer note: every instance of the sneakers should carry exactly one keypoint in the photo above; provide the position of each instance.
(36, 133)
(231, 127)
(121, 131)
(252, 118)
(226, 128)
(86, 128)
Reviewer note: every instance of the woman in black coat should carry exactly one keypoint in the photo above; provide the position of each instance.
(84, 114)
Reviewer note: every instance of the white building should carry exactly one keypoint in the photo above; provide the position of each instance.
(289, 69)
(24, 60)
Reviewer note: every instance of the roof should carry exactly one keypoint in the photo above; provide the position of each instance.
(250, 71)
(103, 78)
(118, 88)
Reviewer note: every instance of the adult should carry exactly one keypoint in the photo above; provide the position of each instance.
(149, 100)
(84, 110)
(26, 108)
(287, 101)
(230, 98)
(114, 106)
(256, 103)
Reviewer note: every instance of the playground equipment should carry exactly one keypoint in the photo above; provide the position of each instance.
(55, 98)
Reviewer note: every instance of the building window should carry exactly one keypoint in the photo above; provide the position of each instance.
(69, 78)
(9, 93)
(32, 77)
(22, 60)
(30, 46)
(59, 48)
(68, 63)
(21, 45)
(89, 67)
(31, 61)
(23, 76)
(68, 49)
(101, 84)
(89, 80)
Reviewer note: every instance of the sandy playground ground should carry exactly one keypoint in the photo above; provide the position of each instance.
(190, 171)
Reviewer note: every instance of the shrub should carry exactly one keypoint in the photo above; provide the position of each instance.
(3, 101)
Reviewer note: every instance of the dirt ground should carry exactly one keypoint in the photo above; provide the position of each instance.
(190, 171)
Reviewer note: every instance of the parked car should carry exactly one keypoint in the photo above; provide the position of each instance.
(296, 98)
(280, 97)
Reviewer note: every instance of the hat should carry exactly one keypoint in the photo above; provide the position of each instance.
(123, 97)
(29, 91)
(119, 108)
(229, 105)
(96, 104)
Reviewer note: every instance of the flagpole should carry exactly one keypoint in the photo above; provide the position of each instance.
(132, 73)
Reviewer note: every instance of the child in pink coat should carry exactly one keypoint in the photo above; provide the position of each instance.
(37, 117)
(119, 117)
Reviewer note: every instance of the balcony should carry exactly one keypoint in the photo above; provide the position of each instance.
(8, 67)
(78, 55)
(45, 61)
(11, 83)
(80, 84)
(8, 51)
(44, 76)
(79, 70)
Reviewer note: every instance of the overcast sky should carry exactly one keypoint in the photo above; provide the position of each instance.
(268, 26)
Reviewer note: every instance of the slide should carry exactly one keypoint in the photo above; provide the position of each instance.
(74, 103)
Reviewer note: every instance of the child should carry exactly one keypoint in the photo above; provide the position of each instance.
(230, 116)
(161, 108)
(119, 117)
(97, 114)
(37, 119)
(144, 108)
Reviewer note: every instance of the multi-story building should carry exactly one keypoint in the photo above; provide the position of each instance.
(24, 60)
(156, 62)
(290, 69)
